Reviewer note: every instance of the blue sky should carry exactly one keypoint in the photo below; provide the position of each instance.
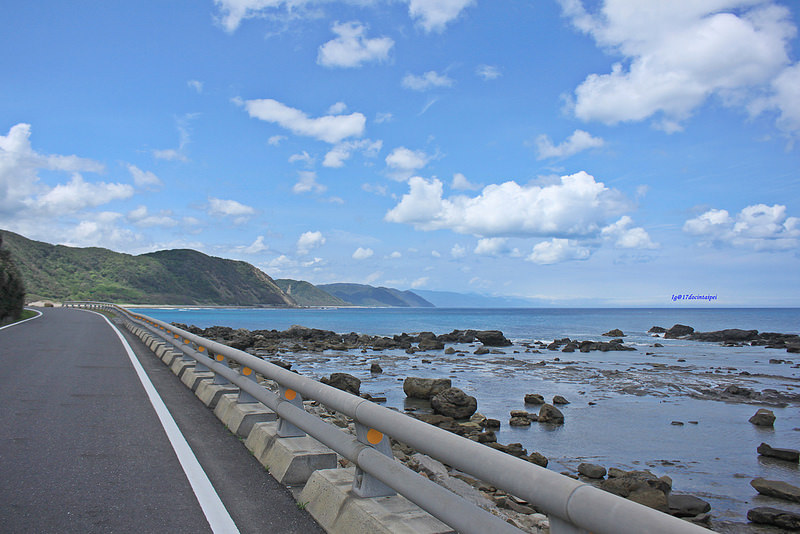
(580, 152)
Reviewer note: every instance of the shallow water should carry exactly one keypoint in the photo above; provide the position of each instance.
(638, 394)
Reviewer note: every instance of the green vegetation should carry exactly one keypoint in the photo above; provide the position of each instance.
(27, 314)
(181, 277)
(12, 288)
(306, 294)
(363, 295)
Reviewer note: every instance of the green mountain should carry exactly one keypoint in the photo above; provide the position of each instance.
(364, 295)
(181, 277)
(307, 294)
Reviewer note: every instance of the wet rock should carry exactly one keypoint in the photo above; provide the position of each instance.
(281, 363)
(657, 330)
(424, 388)
(614, 333)
(777, 489)
(538, 459)
(550, 414)
(375, 368)
(772, 516)
(731, 335)
(514, 449)
(519, 421)
(639, 486)
(454, 403)
(345, 382)
(558, 399)
(763, 417)
(491, 423)
(492, 338)
(592, 470)
(678, 331)
(481, 350)
(789, 455)
(449, 351)
(681, 505)
(430, 344)
(534, 398)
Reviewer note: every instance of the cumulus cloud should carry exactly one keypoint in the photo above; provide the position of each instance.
(144, 179)
(395, 255)
(558, 250)
(351, 47)
(403, 162)
(196, 85)
(78, 194)
(307, 182)
(141, 216)
(239, 212)
(460, 182)
(275, 140)
(420, 282)
(426, 81)
(434, 15)
(340, 153)
(256, 246)
(577, 142)
(362, 253)
(308, 241)
(577, 206)
(303, 157)
(329, 128)
(491, 246)
(678, 54)
(625, 236)
(759, 226)
(487, 72)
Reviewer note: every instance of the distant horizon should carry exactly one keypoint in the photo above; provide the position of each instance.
(616, 151)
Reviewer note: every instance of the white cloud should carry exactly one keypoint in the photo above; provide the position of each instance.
(420, 282)
(577, 206)
(627, 237)
(351, 48)
(218, 207)
(557, 251)
(142, 217)
(362, 253)
(275, 140)
(678, 54)
(487, 72)
(78, 194)
(426, 81)
(491, 246)
(303, 157)
(99, 230)
(340, 153)
(329, 128)
(460, 182)
(382, 117)
(404, 161)
(434, 15)
(395, 255)
(256, 246)
(759, 226)
(785, 99)
(458, 251)
(307, 182)
(144, 179)
(337, 109)
(172, 154)
(308, 241)
(577, 142)
(196, 85)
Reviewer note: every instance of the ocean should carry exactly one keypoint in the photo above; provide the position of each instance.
(636, 395)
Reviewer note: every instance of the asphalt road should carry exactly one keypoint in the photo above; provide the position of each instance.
(82, 449)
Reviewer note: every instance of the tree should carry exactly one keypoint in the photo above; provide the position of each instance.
(12, 289)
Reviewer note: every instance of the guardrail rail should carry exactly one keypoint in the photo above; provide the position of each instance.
(572, 506)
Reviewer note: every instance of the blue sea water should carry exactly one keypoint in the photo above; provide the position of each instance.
(636, 395)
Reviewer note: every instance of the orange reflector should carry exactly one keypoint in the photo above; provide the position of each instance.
(290, 394)
(374, 437)
(219, 357)
(186, 341)
(247, 371)
(200, 349)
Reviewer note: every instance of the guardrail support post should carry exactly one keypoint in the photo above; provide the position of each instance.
(219, 380)
(201, 367)
(559, 526)
(244, 397)
(285, 428)
(364, 484)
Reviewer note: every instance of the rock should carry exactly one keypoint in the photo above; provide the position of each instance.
(614, 333)
(777, 489)
(651, 498)
(731, 335)
(534, 398)
(558, 399)
(790, 455)
(519, 421)
(550, 414)
(639, 486)
(592, 470)
(343, 381)
(772, 516)
(681, 505)
(492, 338)
(241, 339)
(657, 330)
(678, 331)
(538, 459)
(491, 423)
(424, 388)
(375, 368)
(454, 403)
(763, 417)
(481, 350)
(430, 344)
(449, 351)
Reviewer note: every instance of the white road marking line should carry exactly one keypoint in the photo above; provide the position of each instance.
(38, 314)
(217, 515)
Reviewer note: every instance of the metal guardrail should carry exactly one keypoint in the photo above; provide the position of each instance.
(573, 507)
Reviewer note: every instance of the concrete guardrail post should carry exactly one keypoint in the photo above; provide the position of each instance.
(364, 484)
(245, 397)
(285, 428)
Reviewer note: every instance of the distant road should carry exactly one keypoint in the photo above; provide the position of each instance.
(82, 448)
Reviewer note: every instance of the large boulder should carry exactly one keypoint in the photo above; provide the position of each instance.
(424, 388)
(430, 344)
(763, 417)
(772, 516)
(777, 489)
(678, 331)
(533, 398)
(492, 338)
(550, 414)
(731, 335)
(614, 333)
(592, 470)
(454, 403)
(241, 339)
(344, 381)
(789, 455)
(640, 486)
(681, 505)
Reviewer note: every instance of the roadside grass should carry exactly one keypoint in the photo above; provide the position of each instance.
(26, 314)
